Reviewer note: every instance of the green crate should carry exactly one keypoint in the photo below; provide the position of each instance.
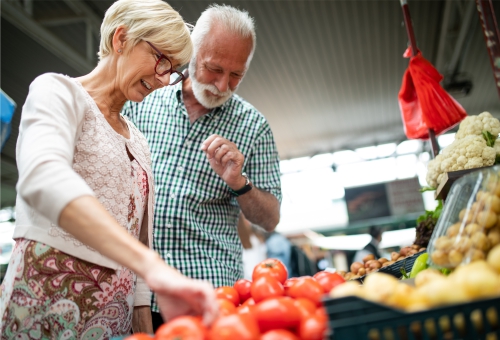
(355, 318)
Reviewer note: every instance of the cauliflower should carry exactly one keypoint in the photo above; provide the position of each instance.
(465, 153)
(475, 125)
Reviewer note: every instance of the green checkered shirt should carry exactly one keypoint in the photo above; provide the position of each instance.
(195, 214)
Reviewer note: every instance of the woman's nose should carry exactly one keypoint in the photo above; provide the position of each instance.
(164, 79)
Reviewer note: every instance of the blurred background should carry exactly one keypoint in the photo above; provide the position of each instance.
(326, 75)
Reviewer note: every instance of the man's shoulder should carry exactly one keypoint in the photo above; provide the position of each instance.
(165, 94)
(237, 105)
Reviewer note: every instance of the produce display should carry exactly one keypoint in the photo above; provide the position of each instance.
(476, 280)
(370, 264)
(470, 224)
(270, 307)
(455, 262)
(475, 146)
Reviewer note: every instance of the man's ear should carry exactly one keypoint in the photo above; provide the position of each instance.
(119, 39)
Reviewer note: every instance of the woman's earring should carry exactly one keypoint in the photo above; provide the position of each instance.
(119, 51)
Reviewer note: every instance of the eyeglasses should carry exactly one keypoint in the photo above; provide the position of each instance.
(164, 66)
(189, 27)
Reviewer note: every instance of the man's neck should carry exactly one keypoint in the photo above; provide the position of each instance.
(194, 109)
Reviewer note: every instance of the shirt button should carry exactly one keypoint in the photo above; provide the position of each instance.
(169, 225)
(188, 143)
(180, 168)
(169, 255)
(172, 195)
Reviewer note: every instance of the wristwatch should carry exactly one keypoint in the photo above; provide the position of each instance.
(248, 186)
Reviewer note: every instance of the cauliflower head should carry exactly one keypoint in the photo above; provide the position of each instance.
(475, 125)
(465, 153)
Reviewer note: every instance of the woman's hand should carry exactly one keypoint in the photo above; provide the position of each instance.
(178, 295)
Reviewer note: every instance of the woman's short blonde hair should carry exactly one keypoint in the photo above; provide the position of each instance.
(151, 20)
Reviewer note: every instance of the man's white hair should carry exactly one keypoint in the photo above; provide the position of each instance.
(231, 19)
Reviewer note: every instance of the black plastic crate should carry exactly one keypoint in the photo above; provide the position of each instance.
(395, 268)
(355, 318)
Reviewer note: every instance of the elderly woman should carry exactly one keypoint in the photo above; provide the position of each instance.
(81, 267)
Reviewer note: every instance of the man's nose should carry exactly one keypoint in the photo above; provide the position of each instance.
(222, 82)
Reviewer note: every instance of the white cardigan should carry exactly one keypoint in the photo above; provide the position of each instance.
(66, 149)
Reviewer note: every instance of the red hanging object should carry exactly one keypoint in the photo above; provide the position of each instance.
(426, 108)
(424, 103)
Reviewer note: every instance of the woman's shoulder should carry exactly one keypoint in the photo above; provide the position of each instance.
(54, 86)
(57, 91)
(53, 79)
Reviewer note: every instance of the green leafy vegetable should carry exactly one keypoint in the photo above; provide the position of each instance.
(489, 138)
(426, 223)
(424, 189)
(404, 273)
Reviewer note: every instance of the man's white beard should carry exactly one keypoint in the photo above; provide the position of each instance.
(199, 89)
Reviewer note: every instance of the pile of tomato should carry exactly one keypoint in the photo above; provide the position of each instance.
(270, 307)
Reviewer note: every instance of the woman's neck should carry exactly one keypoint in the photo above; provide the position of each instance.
(102, 86)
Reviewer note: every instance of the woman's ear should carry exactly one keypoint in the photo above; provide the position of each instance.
(119, 39)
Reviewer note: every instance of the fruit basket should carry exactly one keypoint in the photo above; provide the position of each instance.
(355, 318)
(395, 268)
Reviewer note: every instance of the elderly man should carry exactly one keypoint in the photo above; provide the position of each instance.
(213, 154)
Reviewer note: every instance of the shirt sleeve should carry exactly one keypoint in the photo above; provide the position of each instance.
(263, 167)
(46, 143)
(142, 294)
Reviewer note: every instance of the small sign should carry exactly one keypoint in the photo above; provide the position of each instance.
(404, 196)
(394, 198)
(367, 202)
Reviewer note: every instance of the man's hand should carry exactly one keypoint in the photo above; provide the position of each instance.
(226, 160)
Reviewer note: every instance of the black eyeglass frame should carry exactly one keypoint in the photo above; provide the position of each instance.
(171, 70)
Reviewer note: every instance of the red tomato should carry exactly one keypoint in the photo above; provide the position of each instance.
(139, 336)
(226, 307)
(321, 312)
(328, 280)
(249, 302)
(228, 293)
(306, 307)
(234, 327)
(288, 283)
(245, 309)
(308, 288)
(312, 328)
(278, 334)
(182, 328)
(272, 267)
(243, 288)
(265, 287)
(276, 313)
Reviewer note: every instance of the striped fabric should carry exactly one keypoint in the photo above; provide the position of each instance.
(195, 214)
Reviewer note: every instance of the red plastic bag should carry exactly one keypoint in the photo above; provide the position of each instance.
(424, 103)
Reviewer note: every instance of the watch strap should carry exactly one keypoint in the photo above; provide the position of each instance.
(248, 186)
